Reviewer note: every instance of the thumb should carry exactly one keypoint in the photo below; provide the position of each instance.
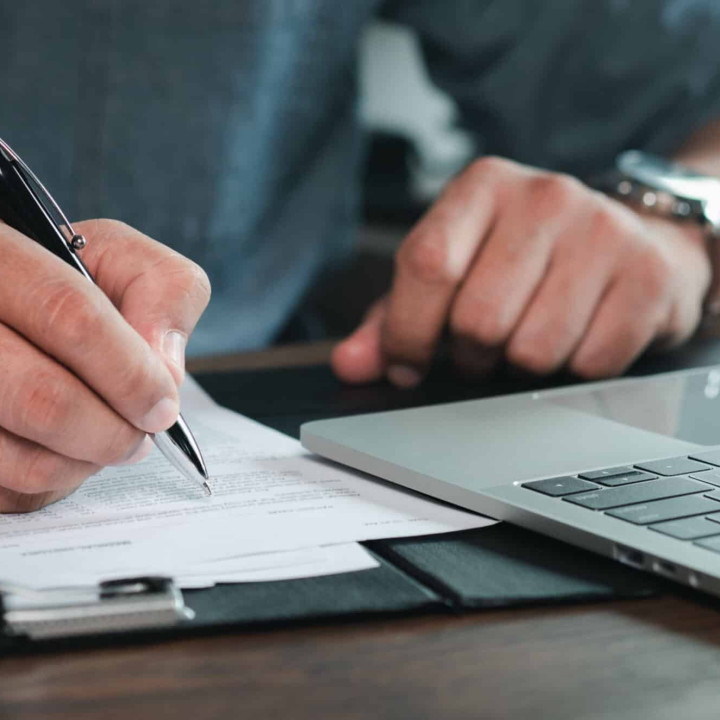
(359, 358)
(160, 293)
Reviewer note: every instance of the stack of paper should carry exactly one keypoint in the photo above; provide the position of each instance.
(276, 513)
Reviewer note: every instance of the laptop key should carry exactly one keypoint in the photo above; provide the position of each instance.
(712, 477)
(608, 472)
(660, 510)
(712, 543)
(716, 517)
(673, 466)
(691, 528)
(631, 477)
(637, 493)
(559, 486)
(711, 457)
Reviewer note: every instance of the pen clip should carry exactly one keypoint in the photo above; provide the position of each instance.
(44, 198)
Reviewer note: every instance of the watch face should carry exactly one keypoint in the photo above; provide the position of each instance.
(660, 174)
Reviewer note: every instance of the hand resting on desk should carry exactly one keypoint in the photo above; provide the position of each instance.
(85, 375)
(536, 267)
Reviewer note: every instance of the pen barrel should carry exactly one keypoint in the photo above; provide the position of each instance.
(179, 446)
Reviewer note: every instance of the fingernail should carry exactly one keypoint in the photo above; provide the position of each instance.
(161, 417)
(173, 346)
(140, 453)
(403, 376)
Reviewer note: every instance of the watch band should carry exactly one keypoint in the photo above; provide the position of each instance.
(664, 188)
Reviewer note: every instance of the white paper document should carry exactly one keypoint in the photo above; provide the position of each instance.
(269, 496)
(94, 562)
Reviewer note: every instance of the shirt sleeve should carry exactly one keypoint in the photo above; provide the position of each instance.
(568, 84)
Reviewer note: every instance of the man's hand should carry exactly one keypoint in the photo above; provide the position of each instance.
(86, 374)
(535, 267)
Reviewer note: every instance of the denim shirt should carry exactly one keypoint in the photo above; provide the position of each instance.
(228, 129)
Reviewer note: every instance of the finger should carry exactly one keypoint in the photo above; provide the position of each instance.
(30, 469)
(359, 358)
(624, 324)
(57, 309)
(43, 402)
(15, 502)
(432, 263)
(502, 282)
(473, 360)
(158, 291)
(560, 312)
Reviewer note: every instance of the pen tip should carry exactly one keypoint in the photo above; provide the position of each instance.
(208, 491)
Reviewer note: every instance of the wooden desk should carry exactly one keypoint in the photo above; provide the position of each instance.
(657, 659)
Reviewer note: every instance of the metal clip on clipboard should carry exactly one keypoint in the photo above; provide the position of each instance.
(116, 606)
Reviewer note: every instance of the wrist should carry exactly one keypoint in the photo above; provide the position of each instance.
(695, 258)
(681, 203)
(698, 256)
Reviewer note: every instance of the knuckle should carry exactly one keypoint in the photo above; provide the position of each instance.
(198, 282)
(424, 258)
(601, 225)
(604, 219)
(42, 401)
(654, 275)
(486, 173)
(66, 309)
(201, 281)
(553, 192)
(487, 168)
(606, 230)
(188, 277)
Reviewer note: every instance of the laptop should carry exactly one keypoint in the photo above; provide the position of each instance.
(628, 468)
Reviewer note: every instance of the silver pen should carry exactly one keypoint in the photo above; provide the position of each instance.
(28, 207)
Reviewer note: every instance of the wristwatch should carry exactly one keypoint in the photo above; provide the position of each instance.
(671, 190)
(666, 188)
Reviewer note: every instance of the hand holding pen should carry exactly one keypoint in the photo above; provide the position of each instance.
(85, 373)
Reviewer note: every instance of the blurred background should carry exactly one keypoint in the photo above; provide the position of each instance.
(414, 146)
(228, 130)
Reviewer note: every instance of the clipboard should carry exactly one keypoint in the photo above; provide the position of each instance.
(116, 606)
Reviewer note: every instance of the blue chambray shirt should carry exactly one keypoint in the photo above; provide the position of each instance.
(228, 128)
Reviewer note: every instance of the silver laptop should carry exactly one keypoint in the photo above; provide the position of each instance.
(627, 468)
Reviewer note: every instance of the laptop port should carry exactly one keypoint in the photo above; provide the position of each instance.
(628, 556)
(665, 568)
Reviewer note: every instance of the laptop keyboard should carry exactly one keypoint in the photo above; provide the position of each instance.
(678, 497)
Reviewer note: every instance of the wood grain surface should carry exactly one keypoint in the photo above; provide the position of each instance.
(657, 659)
